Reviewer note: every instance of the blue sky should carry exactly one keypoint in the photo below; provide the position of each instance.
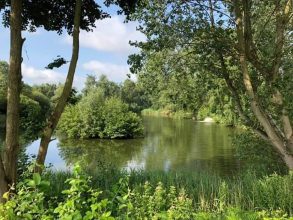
(103, 51)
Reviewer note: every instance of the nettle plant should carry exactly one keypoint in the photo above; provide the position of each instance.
(80, 201)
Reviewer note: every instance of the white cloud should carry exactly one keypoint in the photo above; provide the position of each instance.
(111, 35)
(114, 72)
(34, 76)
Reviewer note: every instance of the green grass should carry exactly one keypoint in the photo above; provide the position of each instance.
(209, 193)
(112, 194)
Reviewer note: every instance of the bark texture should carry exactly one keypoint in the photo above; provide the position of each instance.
(56, 114)
(8, 165)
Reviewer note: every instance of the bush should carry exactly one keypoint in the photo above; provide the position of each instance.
(119, 121)
(70, 122)
(257, 156)
(179, 114)
(97, 117)
(80, 200)
(31, 117)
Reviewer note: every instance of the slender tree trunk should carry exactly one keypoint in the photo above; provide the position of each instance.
(8, 165)
(55, 116)
(275, 137)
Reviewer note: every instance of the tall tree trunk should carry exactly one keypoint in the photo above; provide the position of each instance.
(55, 116)
(8, 166)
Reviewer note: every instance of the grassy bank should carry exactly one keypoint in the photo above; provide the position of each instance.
(152, 195)
(209, 193)
(167, 113)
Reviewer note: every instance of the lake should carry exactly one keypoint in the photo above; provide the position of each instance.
(168, 145)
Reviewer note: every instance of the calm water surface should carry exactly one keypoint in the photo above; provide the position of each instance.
(168, 145)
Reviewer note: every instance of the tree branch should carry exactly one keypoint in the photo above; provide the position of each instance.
(282, 19)
(273, 134)
(250, 47)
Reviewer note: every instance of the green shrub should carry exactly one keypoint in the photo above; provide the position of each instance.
(271, 197)
(31, 117)
(97, 117)
(70, 122)
(250, 150)
(178, 114)
(29, 201)
(119, 121)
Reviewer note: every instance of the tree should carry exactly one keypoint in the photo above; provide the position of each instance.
(8, 170)
(72, 99)
(280, 135)
(109, 88)
(245, 43)
(134, 94)
(90, 83)
(56, 114)
(34, 106)
(47, 89)
(30, 15)
(172, 88)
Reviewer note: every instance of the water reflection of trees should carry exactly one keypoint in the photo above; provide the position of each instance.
(188, 145)
(90, 153)
(168, 145)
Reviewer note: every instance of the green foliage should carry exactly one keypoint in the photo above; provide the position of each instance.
(134, 95)
(129, 92)
(180, 114)
(30, 117)
(71, 122)
(29, 201)
(34, 109)
(109, 88)
(98, 117)
(129, 198)
(101, 113)
(199, 39)
(250, 150)
(82, 202)
(55, 16)
(119, 121)
(89, 84)
(220, 108)
(3, 85)
(34, 105)
(148, 202)
(47, 89)
(72, 99)
(175, 90)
